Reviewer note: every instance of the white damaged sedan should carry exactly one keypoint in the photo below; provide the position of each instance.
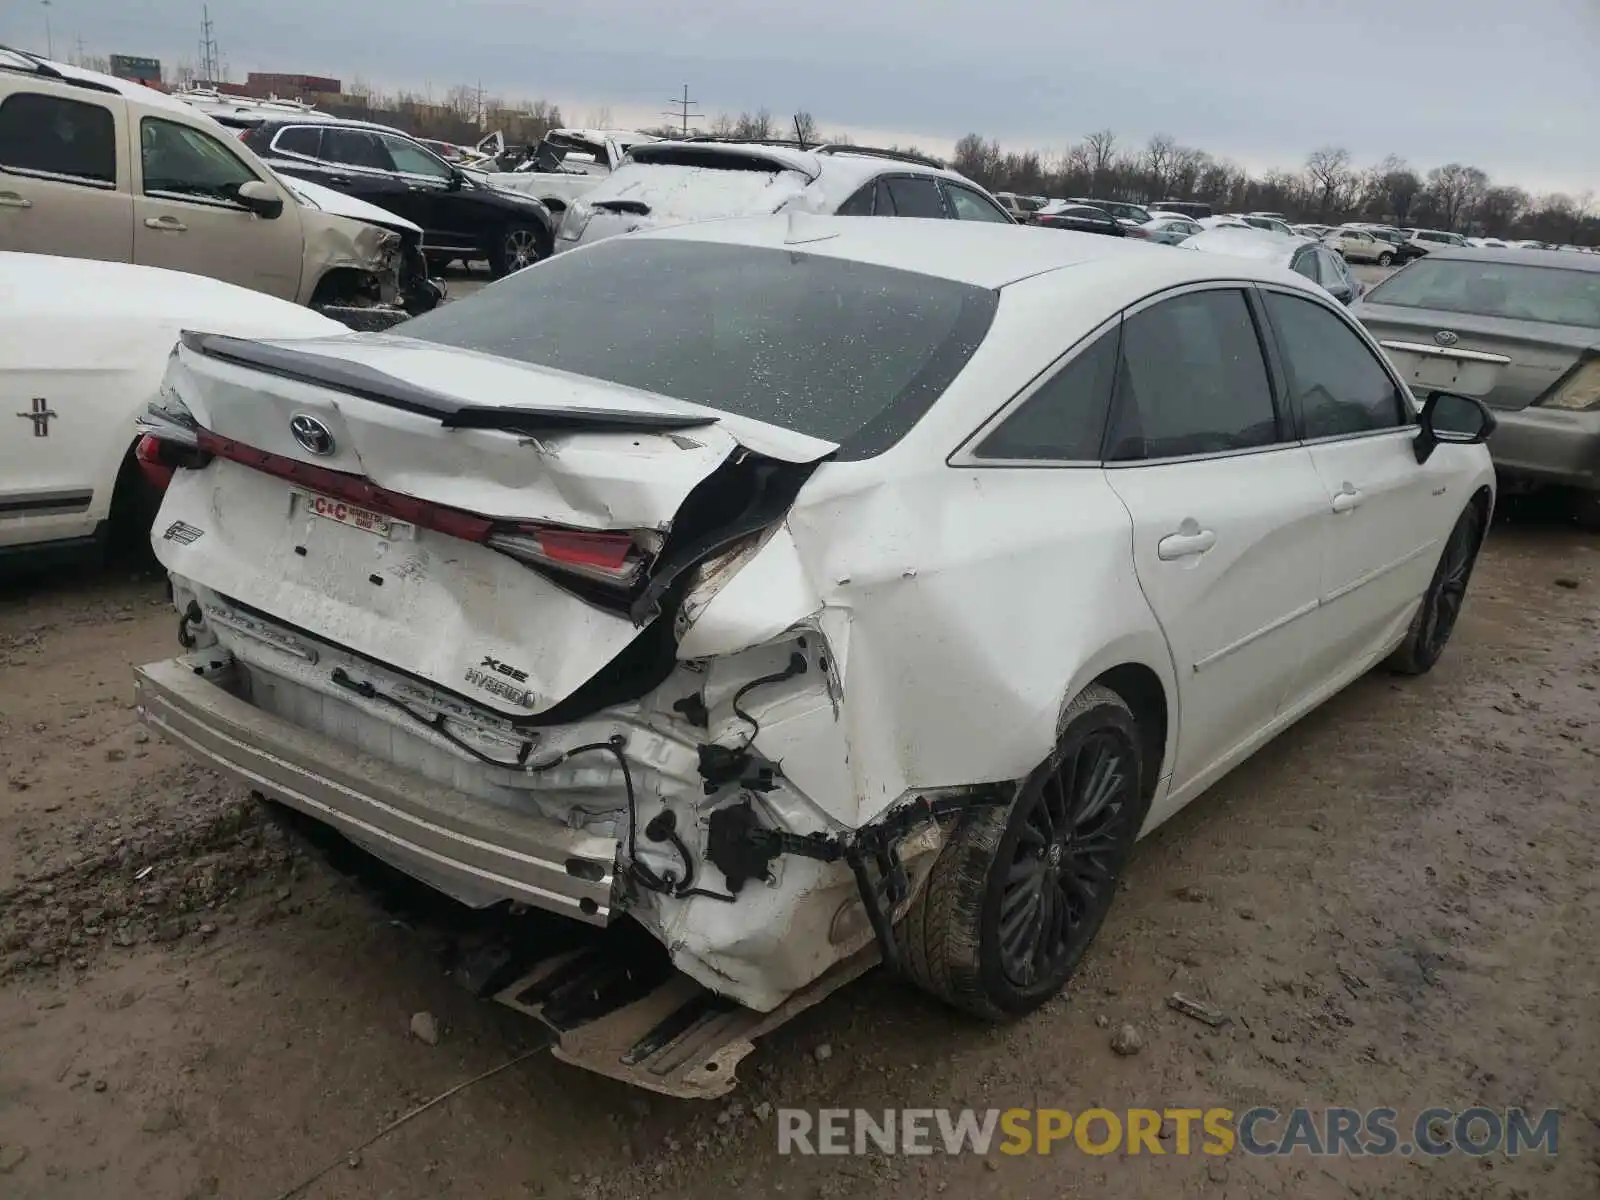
(803, 590)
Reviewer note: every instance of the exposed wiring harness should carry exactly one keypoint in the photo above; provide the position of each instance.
(662, 827)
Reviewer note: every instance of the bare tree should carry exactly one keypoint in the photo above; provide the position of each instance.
(805, 128)
(722, 125)
(1328, 170)
(1500, 207)
(1102, 147)
(1455, 190)
(757, 127)
(1158, 155)
(600, 118)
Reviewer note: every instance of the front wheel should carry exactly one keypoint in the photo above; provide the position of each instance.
(1020, 890)
(1385, 259)
(518, 246)
(1441, 604)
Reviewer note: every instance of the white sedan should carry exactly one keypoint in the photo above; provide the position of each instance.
(810, 590)
(86, 343)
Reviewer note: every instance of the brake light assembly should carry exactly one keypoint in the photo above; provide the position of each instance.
(1579, 391)
(615, 559)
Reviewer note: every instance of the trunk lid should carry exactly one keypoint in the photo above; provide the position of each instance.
(323, 532)
(1507, 364)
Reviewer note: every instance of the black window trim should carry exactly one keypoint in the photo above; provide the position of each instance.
(1403, 392)
(99, 185)
(189, 197)
(965, 454)
(1288, 427)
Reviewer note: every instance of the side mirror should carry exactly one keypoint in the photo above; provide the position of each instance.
(455, 181)
(260, 198)
(1454, 420)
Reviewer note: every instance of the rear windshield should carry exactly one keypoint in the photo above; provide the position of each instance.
(841, 350)
(1515, 291)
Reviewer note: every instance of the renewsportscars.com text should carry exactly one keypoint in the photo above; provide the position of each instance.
(1331, 1131)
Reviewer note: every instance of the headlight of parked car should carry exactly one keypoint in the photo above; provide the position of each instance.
(574, 221)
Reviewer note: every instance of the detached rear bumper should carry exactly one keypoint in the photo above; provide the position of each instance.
(1548, 445)
(440, 835)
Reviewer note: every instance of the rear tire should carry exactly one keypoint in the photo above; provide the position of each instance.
(1020, 890)
(1385, 259)
(1441, 604)
(516, 247)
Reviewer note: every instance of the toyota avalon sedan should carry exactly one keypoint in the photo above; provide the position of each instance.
(796, 593)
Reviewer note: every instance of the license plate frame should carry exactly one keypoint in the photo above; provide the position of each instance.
(352, 516)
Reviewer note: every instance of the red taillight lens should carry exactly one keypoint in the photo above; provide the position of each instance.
(606, 557)
(1132, 232)
(600, 555)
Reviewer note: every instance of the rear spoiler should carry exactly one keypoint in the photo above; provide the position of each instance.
(358, 379)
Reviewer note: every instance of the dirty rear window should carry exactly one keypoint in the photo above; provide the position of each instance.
(846, 351)
(1513, 291)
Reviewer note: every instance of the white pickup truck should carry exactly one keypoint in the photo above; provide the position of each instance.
(568, 163)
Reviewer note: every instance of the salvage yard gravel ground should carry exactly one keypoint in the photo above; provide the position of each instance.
(1395, 903)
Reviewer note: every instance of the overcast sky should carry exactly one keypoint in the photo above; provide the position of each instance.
(1512, 86)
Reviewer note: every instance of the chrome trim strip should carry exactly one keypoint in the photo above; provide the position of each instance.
(1479, 356)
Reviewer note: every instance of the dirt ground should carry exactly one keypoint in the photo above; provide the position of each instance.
(1396, 903)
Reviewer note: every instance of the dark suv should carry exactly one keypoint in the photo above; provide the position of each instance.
(462, 215)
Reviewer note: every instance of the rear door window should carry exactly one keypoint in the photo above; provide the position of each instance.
(1191, 380)
(355, 148)
(304, 140)
(67, 139)
(859, 205)
(915, 197)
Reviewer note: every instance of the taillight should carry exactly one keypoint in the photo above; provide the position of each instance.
(1578, 392)
(605, 557)
(171, 435)
(1134, 232)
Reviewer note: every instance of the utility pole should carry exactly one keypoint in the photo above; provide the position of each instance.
(49, 37)
(208, 47)
(683, 110)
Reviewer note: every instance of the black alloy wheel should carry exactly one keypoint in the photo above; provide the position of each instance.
(1020, 889)
(1065, 859)
(1441, 604)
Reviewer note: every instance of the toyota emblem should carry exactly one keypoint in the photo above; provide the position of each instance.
(311, 433)
(1445, 338)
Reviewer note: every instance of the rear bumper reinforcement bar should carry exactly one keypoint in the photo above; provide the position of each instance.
(434, 832)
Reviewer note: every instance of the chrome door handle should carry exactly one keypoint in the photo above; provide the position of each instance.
(168, 224)
(1186, 543)
(1347, 499)
(12, 200)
